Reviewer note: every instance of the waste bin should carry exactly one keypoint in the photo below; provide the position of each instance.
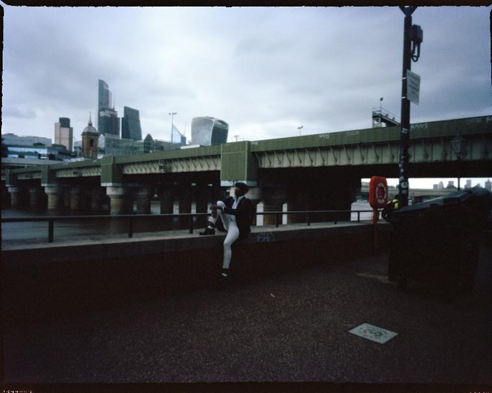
(438, 241)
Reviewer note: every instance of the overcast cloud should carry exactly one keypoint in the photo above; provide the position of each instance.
(266, 71)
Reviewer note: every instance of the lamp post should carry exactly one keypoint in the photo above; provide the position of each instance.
(300, 128)
(412, 34)
(458, 145)
(172, 123)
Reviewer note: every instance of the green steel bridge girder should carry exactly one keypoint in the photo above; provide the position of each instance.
(430, 145)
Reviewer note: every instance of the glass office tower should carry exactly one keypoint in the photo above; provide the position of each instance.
(130, 124)
(107, 118)
(208, 131)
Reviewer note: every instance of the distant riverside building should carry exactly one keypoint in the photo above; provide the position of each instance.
(90, 140)
(130, 124)
(440, 186)
(14, 140)
(450, 184)
(18, 151)
(468, 184)
(64, 133)
(208, 131)
(488, 185)
(107, 117)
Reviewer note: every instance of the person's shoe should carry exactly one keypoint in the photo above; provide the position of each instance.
(208, 231)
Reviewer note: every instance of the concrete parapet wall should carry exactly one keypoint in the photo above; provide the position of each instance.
(50, 280)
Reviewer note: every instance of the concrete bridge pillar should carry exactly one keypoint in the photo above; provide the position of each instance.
(55, 197)
(66, 197)
(18, 196)
(273, 200)
(297, 201)
(121, 201)
(75, 198)
(144, 196)
(166, 197)
(35, 196)
(203, 194)
(96, 199)
(184, 199)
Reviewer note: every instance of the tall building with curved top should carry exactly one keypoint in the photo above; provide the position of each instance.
(208, 131)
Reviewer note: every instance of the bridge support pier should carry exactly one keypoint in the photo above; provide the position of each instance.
(75, 199)
(18, 196)
(35, 196)
(55, 197)
(120, 200)
(166, 197)
(144, 196)
(273, 200)
(185, 197)
(297, 201)
(203, 195)
(97, 196)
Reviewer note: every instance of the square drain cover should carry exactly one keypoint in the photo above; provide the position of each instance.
(373, 333)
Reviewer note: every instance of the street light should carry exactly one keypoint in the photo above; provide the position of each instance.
(300, 128)
(458, 145)
(413, 36)
(172, 124)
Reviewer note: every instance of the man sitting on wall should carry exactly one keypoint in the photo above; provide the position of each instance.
(236, 214)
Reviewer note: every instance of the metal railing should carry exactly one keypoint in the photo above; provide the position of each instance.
(133, 217)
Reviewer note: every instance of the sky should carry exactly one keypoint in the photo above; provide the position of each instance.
(265, 71)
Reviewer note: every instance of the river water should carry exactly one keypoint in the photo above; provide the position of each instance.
(94, 227)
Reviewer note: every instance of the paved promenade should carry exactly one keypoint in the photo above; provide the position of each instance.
(289, 326)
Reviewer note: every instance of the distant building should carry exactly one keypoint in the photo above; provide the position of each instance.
(440, 186)
(18, 151)
(109, 123)
(450, 184)
(468, 184)
(14, 140)
(90, 140)
(208, 131)
(130, 124)
(488, 185)
(64, 133)
(435, 186)
(107, 117)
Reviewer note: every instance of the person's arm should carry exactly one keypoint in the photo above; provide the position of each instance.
(243, 211)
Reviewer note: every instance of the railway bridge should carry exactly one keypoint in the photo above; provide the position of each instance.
(312, 172)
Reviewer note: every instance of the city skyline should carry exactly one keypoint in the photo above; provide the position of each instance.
(318, 68)
(331, 75)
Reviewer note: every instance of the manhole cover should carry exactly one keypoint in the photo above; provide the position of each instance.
(373, 333)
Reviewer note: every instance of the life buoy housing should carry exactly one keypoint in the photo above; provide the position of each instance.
(378, 192)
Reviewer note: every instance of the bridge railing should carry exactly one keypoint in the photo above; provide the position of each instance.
(308, 214)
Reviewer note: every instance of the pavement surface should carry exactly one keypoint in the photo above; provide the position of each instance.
(290, 326)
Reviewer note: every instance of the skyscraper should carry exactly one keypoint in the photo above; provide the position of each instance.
(208, 131)
(107, 117)
(130, 124)
(64, 133)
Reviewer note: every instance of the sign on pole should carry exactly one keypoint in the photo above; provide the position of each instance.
(413, 87)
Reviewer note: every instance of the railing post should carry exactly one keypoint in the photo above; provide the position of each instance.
(277, 219)
(130, 229)
(358, 216)
(50, 230)
(191, 223)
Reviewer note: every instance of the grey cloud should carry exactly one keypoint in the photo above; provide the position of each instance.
(21, 113)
